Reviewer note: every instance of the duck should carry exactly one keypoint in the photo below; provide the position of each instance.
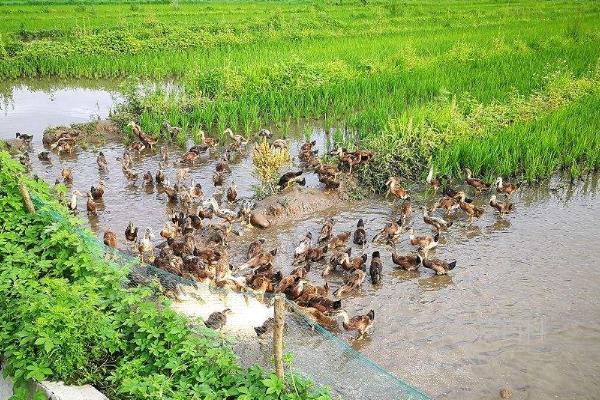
(130, 174)
(426, 242)
(110, 238)
(148, 179)
(326, 231)
(232, 193)
(171, 131)
(390, 233)
(337, 259)
(478, 184)
(432, 181)
(254, 248)
(409, 262)
(346, 158)
(289, 177)
(405, 211)
(131, 232)
(64, 145)
(160, 176)
(208, 141)
(218, 179)
(331, 183)
(73, 203)
(354, 263)
(144, 245)
(504, 187)
(280, 144)
(189, 157)
(439, 224)
(172, 192)
(448, 203)
(265, 133)
(67, 175)
(101, 161)
(351, 283)
(169, 231)
(164, 153)
(180, 175)
(262, 259)
(91, 205)
(470, 209)
(137, 146)
(376, 268)
(316, 253)
(326, 169)
(147, 140)
(44, 156)
(223, 165)
(238, 139)
(501, 206)
(360, 235)
(218, 319)
(98, 191)
(339, 240)
(302, 248)
(439, 266)
(26, 139)
(395, 189)
(196, 190)
(267, 327)
(360, 323)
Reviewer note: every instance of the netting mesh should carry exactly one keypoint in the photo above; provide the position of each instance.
(317, 353)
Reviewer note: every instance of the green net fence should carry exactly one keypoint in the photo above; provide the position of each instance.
(316, 352)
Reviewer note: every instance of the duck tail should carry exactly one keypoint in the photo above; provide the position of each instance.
(436, 237)
(336, 305)
(451, 265)
(371, 315)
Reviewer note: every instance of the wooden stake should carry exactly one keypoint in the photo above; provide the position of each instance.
(26, 198)
(279, 315)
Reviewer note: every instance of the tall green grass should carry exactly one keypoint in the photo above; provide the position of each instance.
(372, 69)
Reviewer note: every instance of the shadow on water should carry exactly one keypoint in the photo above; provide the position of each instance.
(517, 311)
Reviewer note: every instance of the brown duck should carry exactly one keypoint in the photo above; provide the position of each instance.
(360, 323)
(503, 207)
(409, 262)
(478, 184)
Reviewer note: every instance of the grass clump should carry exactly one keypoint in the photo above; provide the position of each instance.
(268, 162)
(66, 314)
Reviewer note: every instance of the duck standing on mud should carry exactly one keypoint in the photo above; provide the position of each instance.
(478, 184)
(396, 189)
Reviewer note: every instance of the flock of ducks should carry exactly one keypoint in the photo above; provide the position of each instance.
(195, 238)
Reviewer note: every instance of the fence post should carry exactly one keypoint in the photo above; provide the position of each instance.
(26, 198)
(279, 315)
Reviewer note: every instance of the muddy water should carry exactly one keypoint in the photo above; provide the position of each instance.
(519, 311)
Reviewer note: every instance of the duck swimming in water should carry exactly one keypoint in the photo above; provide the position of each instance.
(360, 323)
(502, 207)
(360, 235)
(396, 189)
(409, 262)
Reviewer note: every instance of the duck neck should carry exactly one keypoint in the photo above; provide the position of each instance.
(430, 175)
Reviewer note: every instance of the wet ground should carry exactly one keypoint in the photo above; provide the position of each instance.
(520, 310)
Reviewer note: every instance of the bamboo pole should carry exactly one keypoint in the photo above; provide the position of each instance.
(279, 315)
(26, 198)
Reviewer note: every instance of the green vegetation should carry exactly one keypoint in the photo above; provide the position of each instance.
(373, 68)
(65, 314)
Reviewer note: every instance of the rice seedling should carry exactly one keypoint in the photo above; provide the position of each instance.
(406, 80)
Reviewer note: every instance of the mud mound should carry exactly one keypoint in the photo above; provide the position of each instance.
(298, 203)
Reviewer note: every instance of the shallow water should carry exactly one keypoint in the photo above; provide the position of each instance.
(519, 310)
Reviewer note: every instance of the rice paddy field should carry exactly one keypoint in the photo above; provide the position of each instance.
(506, 88)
